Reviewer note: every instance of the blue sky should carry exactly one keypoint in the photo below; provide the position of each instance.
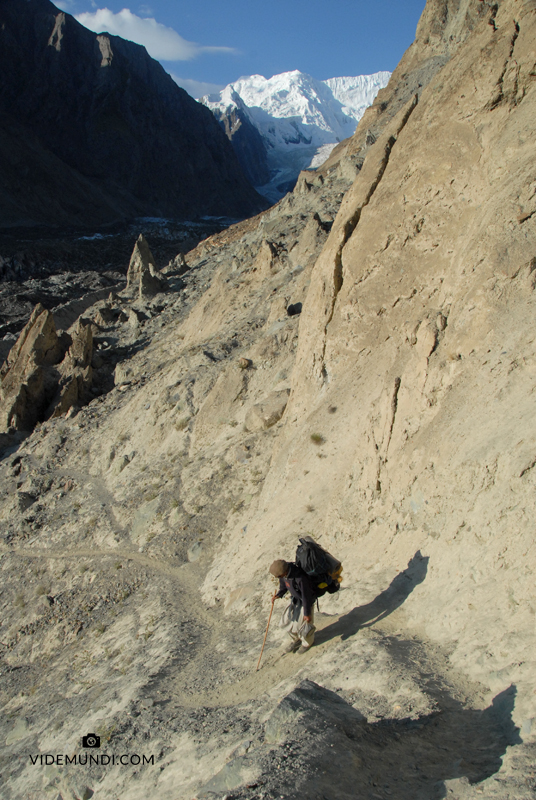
(207, 44)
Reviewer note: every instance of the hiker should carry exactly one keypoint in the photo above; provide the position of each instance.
(299, 615)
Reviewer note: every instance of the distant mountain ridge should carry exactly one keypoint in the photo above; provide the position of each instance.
(93, 130)
(298, 120)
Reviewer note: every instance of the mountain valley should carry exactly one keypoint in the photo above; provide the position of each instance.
(290, 122)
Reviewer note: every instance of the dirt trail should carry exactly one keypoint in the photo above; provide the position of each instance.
(194, 668)
(428, 667)
(408, 699)
(89, 552)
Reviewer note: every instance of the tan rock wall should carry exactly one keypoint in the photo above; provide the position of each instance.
(416, 364)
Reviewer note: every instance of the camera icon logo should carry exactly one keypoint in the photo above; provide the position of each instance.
(91, 740)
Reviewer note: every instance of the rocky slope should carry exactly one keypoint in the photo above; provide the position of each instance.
(393, 418)
(93, 130)
(74, 268)
(281, 125)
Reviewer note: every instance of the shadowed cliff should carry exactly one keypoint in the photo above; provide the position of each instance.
(94, 130)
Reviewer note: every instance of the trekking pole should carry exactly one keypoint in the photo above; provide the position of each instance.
(266, 634)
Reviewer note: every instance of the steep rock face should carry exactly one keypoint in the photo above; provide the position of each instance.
(93, 130)
(442, 28)
(416, 335)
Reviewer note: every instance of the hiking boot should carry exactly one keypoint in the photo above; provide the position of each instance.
(304, 649)
(291, 647)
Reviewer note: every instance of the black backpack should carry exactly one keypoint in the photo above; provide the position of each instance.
(323, 568)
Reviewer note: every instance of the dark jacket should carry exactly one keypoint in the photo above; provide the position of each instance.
(301, 587)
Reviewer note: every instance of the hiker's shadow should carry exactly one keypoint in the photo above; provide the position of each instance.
(384, 604)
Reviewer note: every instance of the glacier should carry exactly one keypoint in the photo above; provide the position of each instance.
(300, 119)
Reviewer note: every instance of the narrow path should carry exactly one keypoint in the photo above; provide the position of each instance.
(423, 662)
(88, 552)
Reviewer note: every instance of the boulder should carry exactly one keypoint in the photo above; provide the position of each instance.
(108, 314)
(305, 704)
(263, 415)
(177, 266)
(26, 384)
(38, 338)
(75, 370)
(266, 260)
(81, 349)
(142, 272)
(45, 374)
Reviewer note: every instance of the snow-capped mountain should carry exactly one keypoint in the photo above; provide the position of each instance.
(298, 118)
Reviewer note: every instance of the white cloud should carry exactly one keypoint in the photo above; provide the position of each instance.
(64, 5)
(161, 42)
(197, 89)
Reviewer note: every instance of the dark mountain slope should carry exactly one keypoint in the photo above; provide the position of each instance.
(248, 143)
(93, 130)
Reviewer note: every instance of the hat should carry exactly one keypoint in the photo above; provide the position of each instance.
(279, 568)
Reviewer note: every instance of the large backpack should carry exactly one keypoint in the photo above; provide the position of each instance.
(324, 569)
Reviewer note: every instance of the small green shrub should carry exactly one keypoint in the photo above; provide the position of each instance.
(317, 438)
